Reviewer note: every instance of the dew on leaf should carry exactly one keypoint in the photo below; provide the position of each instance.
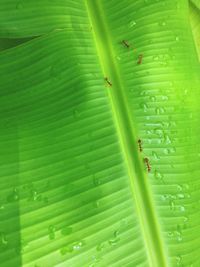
(14, 196)
(152, 98)
(156, 58)
(178, 260)
(158, 175)
(21, 248)
(164, 97)
(186, 187)
(100, 246)
(66, 231)
(96, 204)
(155, 155)
(177, 38)
(78, 245)
(3, 240)
(66, 249)
(51, 231)
(182, 208)
(159, 110)
(144, 107)
(180, 196)
(2, 207)
(162, 23)
(96, 180)
(187, 195)
(132, 24)
(114, 241)
(116, 233)
(172, 205)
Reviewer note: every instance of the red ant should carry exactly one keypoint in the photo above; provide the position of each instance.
(108, 82)
(146, 160)
(140, 144)
(140, 57)
(125, 43)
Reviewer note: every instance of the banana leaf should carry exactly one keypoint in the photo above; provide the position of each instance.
(99, 133)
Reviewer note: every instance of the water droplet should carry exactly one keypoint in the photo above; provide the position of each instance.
(187, 195)
(170, 234)
(152, 98)
(118, 58)
(177, 38)
(78, 245)
(100, 247)
(172, 150)
(182, 208)
(116, 233)
(162, 23)
(167, 140)
(155, 155)
(21, 248)
(164, 97)
(166, 151)
(180, 196)
(143, 92)
(163, 197)
(3, 239)
(33, 195)
(144, 107)
(156, 58)
(185, 219)
(96, 204)
(180, 188)
(96, 180)
(158, 175)
(178, 260)
(186, 187)
(114, 241)
(14, 196)
(66, 249)
(66, 231)
(2, 207)
(172, 205)
(96, 259)
(159, 110)
(51, 231)
(132, 24)
(179, 237)
(158, 132)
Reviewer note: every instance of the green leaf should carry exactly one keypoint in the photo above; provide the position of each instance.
(195, 24)
(22, 18)
(77, 188)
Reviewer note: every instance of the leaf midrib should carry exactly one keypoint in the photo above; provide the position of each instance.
(127, 136)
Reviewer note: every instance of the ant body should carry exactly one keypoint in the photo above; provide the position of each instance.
(108, 82)
(125, 43)
(140, 58)
(140, 144)
(146, 160)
